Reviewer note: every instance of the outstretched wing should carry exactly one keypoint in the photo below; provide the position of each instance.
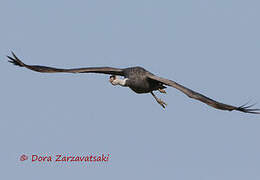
(44, 69)
(192, 94)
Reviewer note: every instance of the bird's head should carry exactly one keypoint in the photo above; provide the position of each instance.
(114, 80)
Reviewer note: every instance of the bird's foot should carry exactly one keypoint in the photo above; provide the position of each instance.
(163, 104)
(162, 91)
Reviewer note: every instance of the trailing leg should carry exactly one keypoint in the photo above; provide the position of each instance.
(163, 104)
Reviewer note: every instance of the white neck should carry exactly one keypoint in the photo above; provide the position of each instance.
(121, 82)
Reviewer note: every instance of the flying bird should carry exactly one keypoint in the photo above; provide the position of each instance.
(139, 80)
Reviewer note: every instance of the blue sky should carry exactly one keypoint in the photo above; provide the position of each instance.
(209, 46)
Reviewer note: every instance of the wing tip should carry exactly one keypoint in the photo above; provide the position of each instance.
(15, 60)
(247, 109)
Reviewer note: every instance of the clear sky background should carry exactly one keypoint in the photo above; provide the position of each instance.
(209, 46)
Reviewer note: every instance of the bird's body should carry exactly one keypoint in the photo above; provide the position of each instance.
(139, 80)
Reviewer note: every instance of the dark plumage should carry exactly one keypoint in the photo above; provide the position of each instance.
(139, 80)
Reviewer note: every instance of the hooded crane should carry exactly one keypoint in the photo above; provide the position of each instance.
(139, 80)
